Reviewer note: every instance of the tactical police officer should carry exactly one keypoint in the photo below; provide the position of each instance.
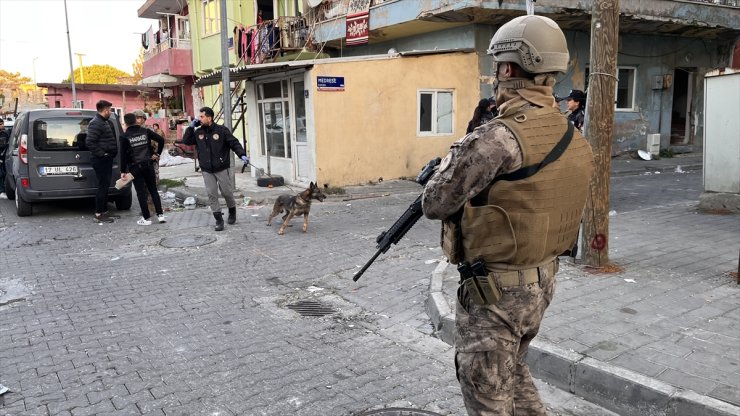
(511, 195)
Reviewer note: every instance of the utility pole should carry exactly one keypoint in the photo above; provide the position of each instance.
(599, 125)
(71, 65)
(225, 80)
(82, 70)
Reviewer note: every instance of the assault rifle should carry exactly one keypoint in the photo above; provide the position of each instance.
(405, 222)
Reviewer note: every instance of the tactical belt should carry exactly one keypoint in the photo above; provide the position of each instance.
(486, 290)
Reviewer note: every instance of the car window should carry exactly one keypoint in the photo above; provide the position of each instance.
(68, 133)
(17, 127)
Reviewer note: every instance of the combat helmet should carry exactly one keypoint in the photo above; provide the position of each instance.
(535, 43)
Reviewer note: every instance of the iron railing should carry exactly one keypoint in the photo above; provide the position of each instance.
(154, 50)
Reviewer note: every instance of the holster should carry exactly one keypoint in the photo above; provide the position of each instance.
(477, 285)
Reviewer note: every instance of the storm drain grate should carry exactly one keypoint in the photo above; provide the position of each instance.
(311, 308)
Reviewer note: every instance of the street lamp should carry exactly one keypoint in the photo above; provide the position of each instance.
(34, 70)
(82, 70)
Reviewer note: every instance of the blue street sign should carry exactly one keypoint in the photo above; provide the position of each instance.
(326, 83)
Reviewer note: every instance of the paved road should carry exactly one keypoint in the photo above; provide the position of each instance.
(104, 319)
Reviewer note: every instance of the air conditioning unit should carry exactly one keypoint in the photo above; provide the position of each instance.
(653, 144)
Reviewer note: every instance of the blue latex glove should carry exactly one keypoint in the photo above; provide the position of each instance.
(195, 123)
(245, 159)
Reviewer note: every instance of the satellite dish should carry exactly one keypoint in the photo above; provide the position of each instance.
(644, 155)
(314, 3)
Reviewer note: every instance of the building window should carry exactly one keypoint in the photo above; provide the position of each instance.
(435, 112)
(625, 100)
(624, 97)
(211, 17)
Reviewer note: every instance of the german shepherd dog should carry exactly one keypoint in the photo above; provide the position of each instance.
(294, 205)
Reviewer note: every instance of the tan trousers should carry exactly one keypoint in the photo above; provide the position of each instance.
(492, 342)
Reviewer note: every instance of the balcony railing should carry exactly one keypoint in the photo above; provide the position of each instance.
(166, 44)
(338, 8)
(273, 38)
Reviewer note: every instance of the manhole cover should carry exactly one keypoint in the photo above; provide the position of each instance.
(186, 241)
(311, 308)
(397, 411)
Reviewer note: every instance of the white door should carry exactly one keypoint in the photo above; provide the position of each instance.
(304, 157)
(721, 144)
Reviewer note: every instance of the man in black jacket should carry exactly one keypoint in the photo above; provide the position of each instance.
(214, 142)
(137, 157)
(3, 149)
(102, 143)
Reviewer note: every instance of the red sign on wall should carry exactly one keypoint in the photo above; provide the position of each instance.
(358, 22)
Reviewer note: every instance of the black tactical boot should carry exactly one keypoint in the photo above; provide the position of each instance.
(232, 215)
(219, 221)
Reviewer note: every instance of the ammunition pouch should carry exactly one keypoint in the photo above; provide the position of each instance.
(451, 239)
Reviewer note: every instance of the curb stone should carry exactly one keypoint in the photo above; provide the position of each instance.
(614, 388)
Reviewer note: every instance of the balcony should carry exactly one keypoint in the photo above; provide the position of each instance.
(172, 56)
(394, 19)
(273, 39)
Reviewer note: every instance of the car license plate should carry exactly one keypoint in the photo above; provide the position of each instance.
(58, 170)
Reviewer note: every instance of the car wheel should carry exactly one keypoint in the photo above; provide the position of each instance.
(9, 190)
(123, 202)
(22, 208)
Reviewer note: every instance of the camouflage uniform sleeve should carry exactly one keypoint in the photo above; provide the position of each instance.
(472, 163)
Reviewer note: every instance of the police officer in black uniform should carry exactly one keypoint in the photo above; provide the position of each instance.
(137, 157)
(576, 102)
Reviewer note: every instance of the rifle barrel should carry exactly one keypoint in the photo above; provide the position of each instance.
(358, 274)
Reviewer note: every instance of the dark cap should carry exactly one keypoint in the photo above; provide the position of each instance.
(576, 95)
(484, 103)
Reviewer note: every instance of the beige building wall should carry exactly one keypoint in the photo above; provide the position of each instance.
(369, 130)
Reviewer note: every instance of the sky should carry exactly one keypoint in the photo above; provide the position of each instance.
(105, 31)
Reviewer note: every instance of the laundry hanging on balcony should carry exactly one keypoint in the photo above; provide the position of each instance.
(238, 44)
(358, 22)
(147, 37)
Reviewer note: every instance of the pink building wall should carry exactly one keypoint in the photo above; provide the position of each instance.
(127, 101)
(176, 62)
